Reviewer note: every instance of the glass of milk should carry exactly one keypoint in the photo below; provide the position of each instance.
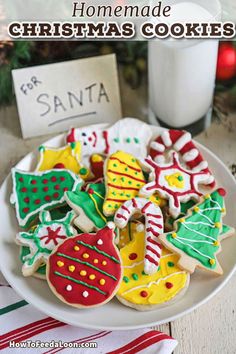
(182, 72)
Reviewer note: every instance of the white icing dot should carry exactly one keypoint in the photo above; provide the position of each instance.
(140, 227)
(111, 225)
(99, 242)
(69, 288)
(85, 294)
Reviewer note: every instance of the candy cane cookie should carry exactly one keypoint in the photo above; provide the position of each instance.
(153, 227)
(180, 141)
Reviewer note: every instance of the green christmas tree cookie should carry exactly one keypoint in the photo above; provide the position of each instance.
(36, 191)
(197, 236)
(43, 239)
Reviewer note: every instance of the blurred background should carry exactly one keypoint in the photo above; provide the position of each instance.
(132, 63)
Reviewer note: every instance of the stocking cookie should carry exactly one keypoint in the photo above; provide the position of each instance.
(180, 141)
(147, 292)
(153, 228)
(88, 206)
(42, 239)
(123, 180)
(196, 236)
(36, 191)
(173, 182)
(85, 271)
(67, 157)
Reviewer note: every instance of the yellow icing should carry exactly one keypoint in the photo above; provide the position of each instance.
(104, 263)
(157, 293)
(92, 277)
(156, 199)
(175, 180)
(126, 233)
(123, 180)
(102, 281)
(85, 255)
(71, 268)
(96, 158)
(68, 156)
(76, 248)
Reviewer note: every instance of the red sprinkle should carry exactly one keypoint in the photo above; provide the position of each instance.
(144, 293)
(57, 187)
(133, 256)
(59, 165)
(90, 191)
(33, 181)
(21, 179)
(34, 190)
(26, 200)
(169, 285)
(25, 210)
(37, 201)
(47, 198)
(24, 190)
(53, 179)
(222, 192)
(65, 189)
(62, 178)
(45, 189)
(55, 195)
(45, 181)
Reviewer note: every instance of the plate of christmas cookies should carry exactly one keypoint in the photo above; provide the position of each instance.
(118, 227)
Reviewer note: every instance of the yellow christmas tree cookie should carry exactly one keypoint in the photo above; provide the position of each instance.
(67, 157)
(123, 180)
(146, 292)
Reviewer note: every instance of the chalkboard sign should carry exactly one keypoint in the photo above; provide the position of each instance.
(52, 98)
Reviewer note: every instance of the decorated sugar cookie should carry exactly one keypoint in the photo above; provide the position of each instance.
(67, 157)
(36, 191)
(85, 271)
(153, 228)
(123, 180)
(41, 271)
(88, 206)
(147, 292)
(129, 135)
(180, 141)
(173, 182)
(196, 236)
(42, 239)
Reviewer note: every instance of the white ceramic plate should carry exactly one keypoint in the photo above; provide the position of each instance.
(113, 316)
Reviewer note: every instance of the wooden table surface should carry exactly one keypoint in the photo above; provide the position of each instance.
(211, 329)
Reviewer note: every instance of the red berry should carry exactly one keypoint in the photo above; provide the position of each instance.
(34, 190)
(65, 189)
(55, 195)
(62, 179)
(57, 187)
(47, 198)
(144, 293)
(59, 165)
(53, 179)
(45, 181)
(169, 285)
(21, 179)
(222, 192)
(133, 256)
(90, 191)
(226, 65)
(26, 200)
(25, 210)
(24, 190)
(33, 181)
(37, 201)
(45, 189)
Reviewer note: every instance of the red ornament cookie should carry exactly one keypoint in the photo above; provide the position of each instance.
(85, 271)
